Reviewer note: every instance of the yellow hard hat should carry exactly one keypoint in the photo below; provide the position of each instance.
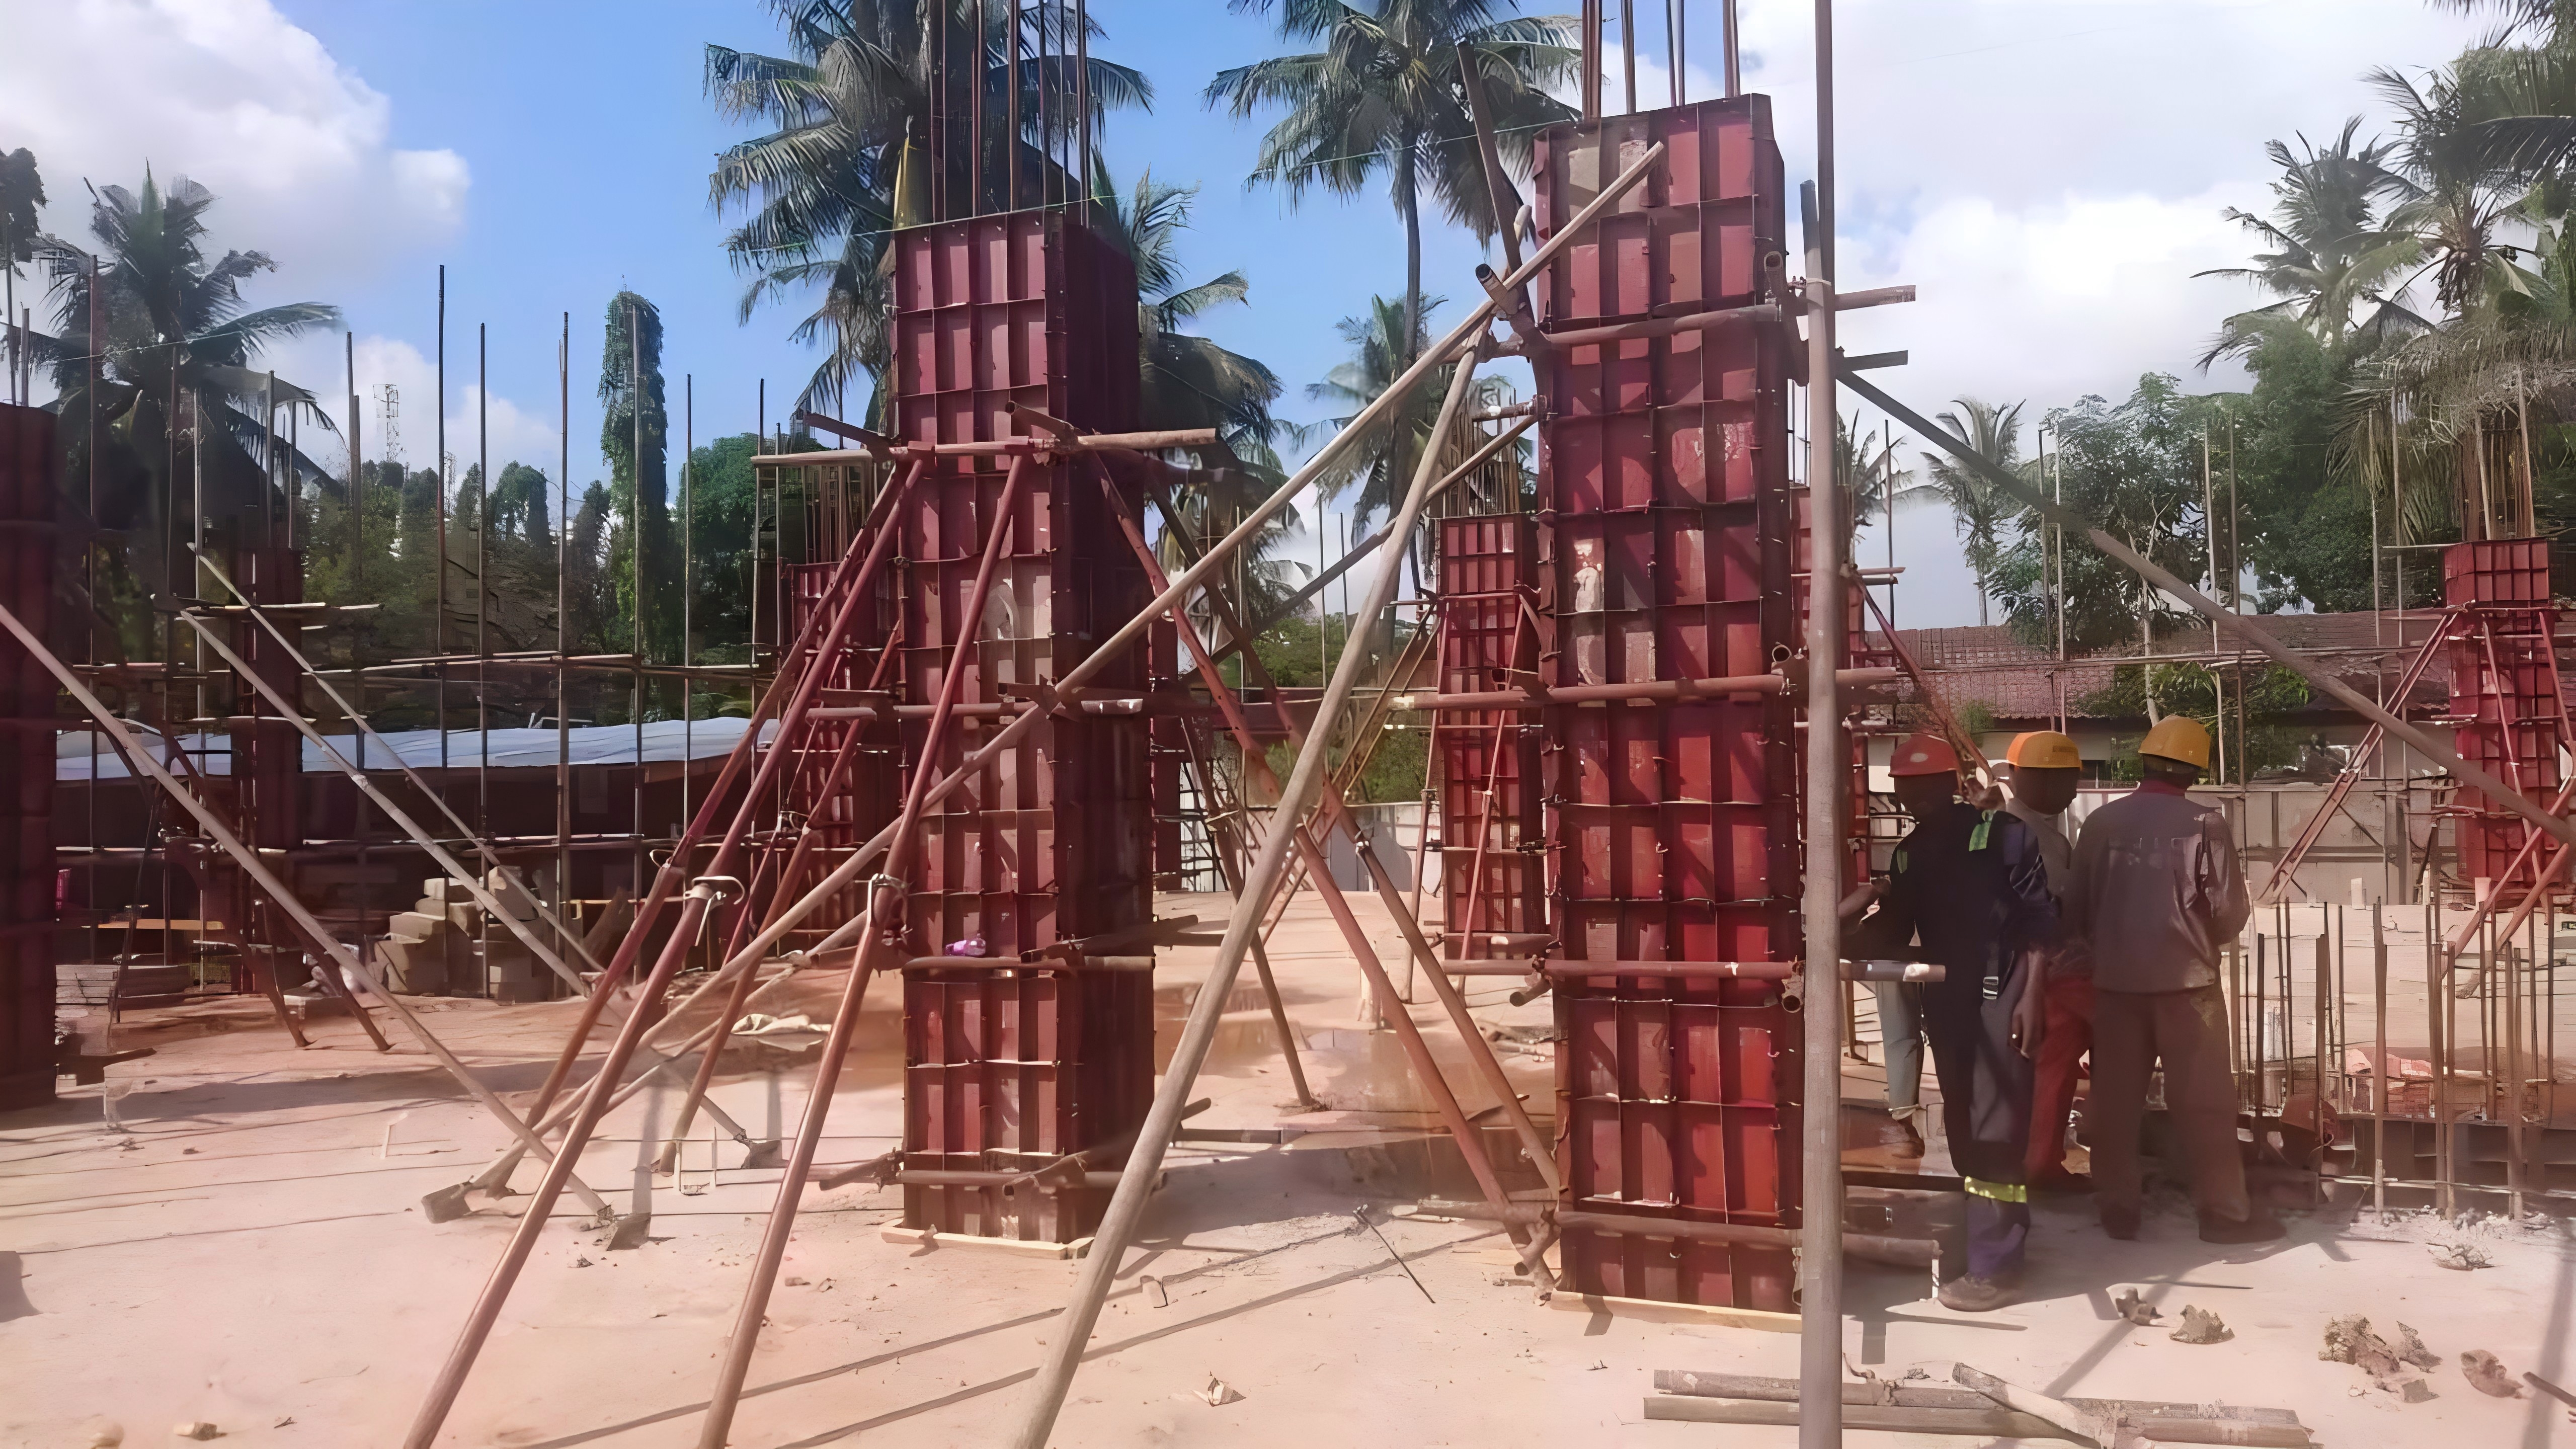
(2179, 737)
(2044, 750)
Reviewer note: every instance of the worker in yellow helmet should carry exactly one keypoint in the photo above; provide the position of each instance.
(2045, 770)
(2158, 893)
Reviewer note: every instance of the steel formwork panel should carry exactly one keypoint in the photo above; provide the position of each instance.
(1666, 551)
(27, 879)
(2505, 687)
(1054, 840)
(1487, 616)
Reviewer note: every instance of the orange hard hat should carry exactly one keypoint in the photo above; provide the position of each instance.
(2044, 750)
(1924, 754)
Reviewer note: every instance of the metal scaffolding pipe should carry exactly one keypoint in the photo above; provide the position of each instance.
(1217, 555)
(1126, 1206)
(249, 862)
(1820, 1262)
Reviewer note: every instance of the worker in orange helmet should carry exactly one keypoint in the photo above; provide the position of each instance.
(2158, 893)
(2045, 769)
(1971, 886)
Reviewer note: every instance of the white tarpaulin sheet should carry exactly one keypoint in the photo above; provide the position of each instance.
(667, 739)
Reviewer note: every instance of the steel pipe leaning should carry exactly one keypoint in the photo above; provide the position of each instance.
(1877, 1247)
(1975, 1423)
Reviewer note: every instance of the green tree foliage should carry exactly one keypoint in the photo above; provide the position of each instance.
(1983, 512)
(635, 433)
(2266, 695)
(2133, 468)
(1385, 94)
(1381, 460)
(22, 190)
(817, 189)
(720, 485)
(176, 397)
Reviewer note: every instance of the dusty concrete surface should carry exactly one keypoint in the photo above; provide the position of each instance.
(244, 1247)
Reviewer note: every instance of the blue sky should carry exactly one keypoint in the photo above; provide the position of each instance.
(2048, 172)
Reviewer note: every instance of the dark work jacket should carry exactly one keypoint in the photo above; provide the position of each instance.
(1971, 884)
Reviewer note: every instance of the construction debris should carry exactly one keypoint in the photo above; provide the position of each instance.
(1218, 1393)
(2199, 1325)
(1912, 1405)
(197, 1429)
(2462, 1256)
(2349, 1340)
(2486, 1374)
(2136, 1309)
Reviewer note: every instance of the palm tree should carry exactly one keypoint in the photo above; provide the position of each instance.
(2328, 254)
(178, 351)
(1188, 381)
(1381, 459)
(2454, 177)
(1386, 93)
(2546, 18)
(1865, 465)
(1982, 511)
(846, 105)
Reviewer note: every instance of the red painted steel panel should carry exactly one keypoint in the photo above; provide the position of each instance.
(27, 880)
(1489, 817)
(2504, 683)
(1666, 551)
(1055, 840)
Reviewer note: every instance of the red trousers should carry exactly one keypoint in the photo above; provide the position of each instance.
(2062, 1045)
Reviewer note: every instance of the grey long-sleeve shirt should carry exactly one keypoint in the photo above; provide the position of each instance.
(2158, 891)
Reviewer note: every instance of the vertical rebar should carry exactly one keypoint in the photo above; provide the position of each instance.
(975, 116)
(357, 486)
(1628, 51)
(563, 635)
(1011, 78)
(2379, 1061)
(1082, 98)
(483, 599)
(688, 578)
(1673, 48)
(635, 570)
(1731, 41)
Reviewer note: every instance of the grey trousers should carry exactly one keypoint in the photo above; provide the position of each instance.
(1900, 1035)
(2187, 1031)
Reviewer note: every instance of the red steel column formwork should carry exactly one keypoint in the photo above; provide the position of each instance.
(1490, 876)
(27, 460)
(267, 765)
(842, 790)
(1006, 1070)
(2505, 685)
(1664, 550)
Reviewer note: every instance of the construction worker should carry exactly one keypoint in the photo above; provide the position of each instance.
(2158, 892)
(1971, 886)
(2045, 769)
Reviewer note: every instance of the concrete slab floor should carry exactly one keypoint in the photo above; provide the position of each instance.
(243, 1246)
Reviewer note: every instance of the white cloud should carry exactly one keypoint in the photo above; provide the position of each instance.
(514, 434)
(229, 93)
(2049, 174)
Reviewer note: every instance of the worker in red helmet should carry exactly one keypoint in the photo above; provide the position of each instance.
(1970, 886)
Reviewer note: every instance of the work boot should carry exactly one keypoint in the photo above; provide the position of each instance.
(1973, 1294)
(2120, 1223)
(2261, 1228)
(1911, 1149)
